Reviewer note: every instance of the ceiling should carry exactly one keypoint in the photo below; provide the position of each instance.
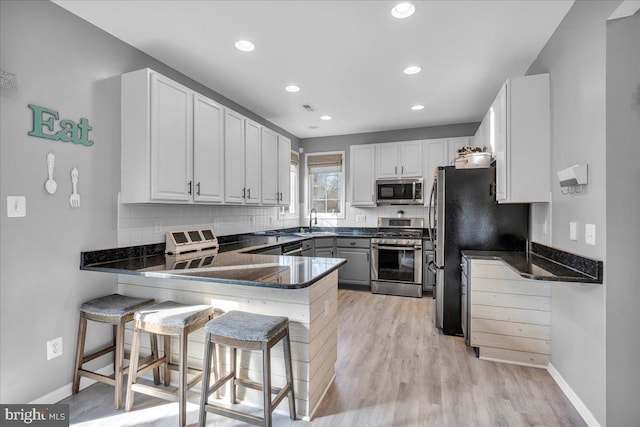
(347, 56)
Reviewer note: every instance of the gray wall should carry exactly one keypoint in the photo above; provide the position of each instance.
(623, 229)
(575, 58)
(66, 64)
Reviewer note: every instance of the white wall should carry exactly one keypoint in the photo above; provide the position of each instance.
(575, 59)
(623, 225)
(66, 64)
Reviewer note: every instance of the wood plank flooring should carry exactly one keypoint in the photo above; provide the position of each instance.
(394, 369)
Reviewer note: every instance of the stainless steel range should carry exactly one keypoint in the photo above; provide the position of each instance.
(396, 257)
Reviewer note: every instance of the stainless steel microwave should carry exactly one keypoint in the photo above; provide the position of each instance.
(399, 191)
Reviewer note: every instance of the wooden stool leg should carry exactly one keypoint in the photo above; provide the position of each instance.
(232, 392)
(133, 366)
(167, 354)
(115, 345)
(266, 391)
(182, 386)
(216, 374)
(289, 372)
(153, 338)
(82, 335)
(206, 375)
(118, 360)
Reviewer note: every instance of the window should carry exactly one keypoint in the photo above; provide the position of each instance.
(325, 183)
(292, 209)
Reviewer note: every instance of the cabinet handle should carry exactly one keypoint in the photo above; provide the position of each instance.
(352, 243)
(244, 192)
(402, 170)
(395, 170)
(190, 185)
(198, 188)
(249, 193)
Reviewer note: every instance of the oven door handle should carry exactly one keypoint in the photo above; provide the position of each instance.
(397, 248)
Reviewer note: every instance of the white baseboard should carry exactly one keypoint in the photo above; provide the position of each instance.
(324, 393)
(65, 391)
(577, 403)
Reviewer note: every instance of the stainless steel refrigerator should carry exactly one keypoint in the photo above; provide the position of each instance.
(465, 215)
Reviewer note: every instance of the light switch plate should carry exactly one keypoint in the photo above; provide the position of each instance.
(16, 206)
(590, 234)
(361, 218)
(573, 231)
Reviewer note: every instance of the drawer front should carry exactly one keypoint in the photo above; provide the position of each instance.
(324, 242)
(307, 244)
(540, 332)
(517, 287)
(345, 242)
(527, 302)
(481, 339)
(511, 314)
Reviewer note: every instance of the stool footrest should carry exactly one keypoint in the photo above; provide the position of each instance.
(282, 393)
(154, 391)
(98, 353)
(219, 383)
(151, 366)
(255, 385)
(97, 377)
(236, 415)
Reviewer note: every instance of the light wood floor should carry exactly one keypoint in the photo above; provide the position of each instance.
(393, 369)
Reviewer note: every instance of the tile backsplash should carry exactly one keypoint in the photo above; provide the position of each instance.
(143, 224)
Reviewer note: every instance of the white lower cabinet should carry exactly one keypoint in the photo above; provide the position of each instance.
(509, 317)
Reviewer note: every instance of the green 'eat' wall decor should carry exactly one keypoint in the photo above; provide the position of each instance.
(70, 131)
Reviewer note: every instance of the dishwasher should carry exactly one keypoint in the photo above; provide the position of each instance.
(292, 249)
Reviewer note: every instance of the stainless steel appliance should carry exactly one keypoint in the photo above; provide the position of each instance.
(467, 216)
(292, 249)
(406, 191)
(428, 274)
(396, 257)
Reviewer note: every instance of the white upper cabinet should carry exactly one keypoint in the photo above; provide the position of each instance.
(435, 154)
(362, 175)
(520, 136)
(456, 143)
(284, 170)
(208, 150)
(234, 188)
(252, 162)
(157, 139)
(270, 195)
(399, 159)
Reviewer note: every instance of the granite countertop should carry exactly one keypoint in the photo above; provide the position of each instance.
(533, 265)
(234, 267)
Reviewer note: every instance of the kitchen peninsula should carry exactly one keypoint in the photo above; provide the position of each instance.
(302, 288)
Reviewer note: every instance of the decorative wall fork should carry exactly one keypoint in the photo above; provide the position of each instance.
(74, 199)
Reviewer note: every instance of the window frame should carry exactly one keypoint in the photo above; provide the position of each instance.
(295, 195)
(307, 185)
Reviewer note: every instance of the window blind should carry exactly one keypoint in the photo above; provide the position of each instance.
(324, 163)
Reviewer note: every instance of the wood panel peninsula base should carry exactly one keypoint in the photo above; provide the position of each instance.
(312, 312)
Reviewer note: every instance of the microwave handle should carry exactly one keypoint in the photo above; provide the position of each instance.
(414, 190)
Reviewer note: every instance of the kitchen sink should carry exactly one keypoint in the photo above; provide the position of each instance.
(315, 234)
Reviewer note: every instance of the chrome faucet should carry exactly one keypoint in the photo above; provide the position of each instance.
(313, 210)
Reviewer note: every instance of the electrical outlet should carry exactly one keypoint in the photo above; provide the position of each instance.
(157, 226)
(54, 348)
(590, 234)
(361, 218)
(545, 227)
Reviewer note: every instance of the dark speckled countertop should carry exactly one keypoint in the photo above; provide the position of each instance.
(546, 263)
(234, 267)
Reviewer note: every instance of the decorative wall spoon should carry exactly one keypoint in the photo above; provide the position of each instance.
(50, 185)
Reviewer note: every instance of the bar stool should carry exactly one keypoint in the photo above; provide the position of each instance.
(117, 310)
(167, 318)
(241, 330)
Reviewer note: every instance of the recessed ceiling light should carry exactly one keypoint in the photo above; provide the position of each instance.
(417, 107)
(325, 117)
(403, 10)
(245, 45)
(292, 88)
(412, 69)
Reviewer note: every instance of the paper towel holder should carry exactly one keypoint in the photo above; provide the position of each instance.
(573, 179)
